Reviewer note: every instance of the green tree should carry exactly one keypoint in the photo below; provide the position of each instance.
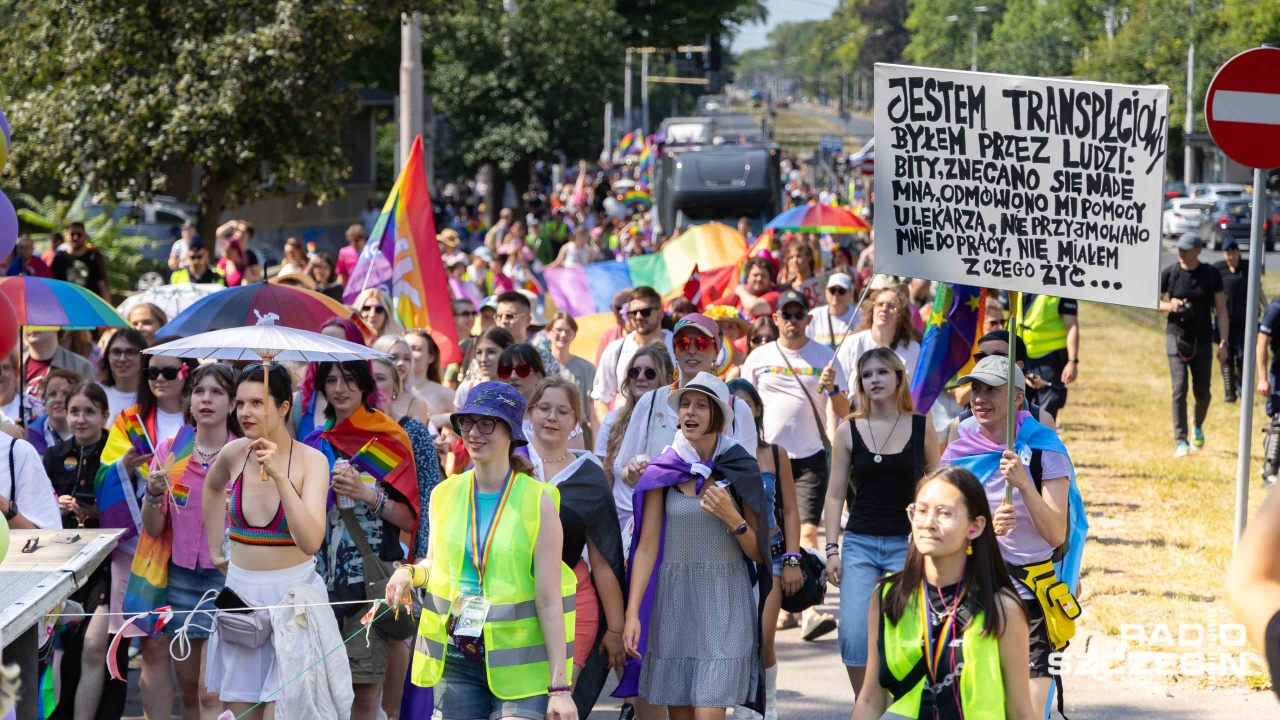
(668, 23)
(1042, 39)
(939, 42)
(517, 86)
(250, 92)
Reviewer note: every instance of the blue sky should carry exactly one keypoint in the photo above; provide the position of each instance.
(753, 36)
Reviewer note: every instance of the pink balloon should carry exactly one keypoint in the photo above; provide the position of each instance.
(8, 227)
(8, 326)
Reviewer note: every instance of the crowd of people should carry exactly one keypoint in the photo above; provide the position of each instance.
(660, 509)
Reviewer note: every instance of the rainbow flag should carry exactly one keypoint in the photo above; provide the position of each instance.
(949, 339)
(589, 290)
(136, 431)
(114, 489)
(402, 257)
(180, 449)
(377, 458)
(627, 145)
(636, 195)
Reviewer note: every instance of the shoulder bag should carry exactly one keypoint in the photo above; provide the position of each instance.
(377, 572)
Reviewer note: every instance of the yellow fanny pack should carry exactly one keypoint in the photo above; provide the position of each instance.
(1055, 598)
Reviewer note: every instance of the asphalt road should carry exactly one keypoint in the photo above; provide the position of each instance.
(858, 125)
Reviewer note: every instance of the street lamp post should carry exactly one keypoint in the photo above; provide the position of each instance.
(977, 10)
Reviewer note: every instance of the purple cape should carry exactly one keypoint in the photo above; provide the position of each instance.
(740, 469)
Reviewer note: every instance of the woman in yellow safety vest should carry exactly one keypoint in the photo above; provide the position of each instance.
(496, 634)
(948, 631)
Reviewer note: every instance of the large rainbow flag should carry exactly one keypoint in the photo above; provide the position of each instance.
(402, 257)
(589, 290)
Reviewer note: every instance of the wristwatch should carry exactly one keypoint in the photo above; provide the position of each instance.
(834, 391)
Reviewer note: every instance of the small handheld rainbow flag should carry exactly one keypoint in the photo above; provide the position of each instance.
(311, 248)
(377, 458)
(137, 432)
(636, 196)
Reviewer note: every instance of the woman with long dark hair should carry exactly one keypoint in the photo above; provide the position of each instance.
(308, 408)
(489, 527)
(175, 491)
(121, 368)
(952, 608)
(122, 475)
(272, 551)
(879, 455)
(381, 508)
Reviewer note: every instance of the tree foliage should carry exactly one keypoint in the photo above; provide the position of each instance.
(130, 91)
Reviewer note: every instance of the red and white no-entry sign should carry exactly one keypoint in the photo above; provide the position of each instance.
(1242, 108)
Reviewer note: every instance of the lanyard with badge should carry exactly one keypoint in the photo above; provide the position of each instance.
(470, 610)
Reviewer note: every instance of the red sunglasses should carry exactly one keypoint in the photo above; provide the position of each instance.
(521, 371)
(701, 342)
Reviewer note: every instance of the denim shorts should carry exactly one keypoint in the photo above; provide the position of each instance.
(776, 548)
(463, 694)
(864, 559)
(186, 587)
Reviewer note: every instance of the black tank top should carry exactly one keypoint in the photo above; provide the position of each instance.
(879, 492)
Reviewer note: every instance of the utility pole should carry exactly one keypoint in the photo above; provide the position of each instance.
(644, 93)
(1188, 157)
(628, 118)
(410, 110)
(607, 152)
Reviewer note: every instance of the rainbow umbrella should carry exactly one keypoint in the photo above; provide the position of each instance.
(819, 219)
(294, 307)
(41, 302)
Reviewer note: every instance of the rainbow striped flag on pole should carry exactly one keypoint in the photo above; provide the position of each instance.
(402, 257)
(377, 458)
(949, 338)
(136, 431)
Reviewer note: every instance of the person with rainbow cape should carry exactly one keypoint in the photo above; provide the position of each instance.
(1039, 517)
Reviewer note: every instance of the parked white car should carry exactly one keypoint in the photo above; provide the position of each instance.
(1183, 215)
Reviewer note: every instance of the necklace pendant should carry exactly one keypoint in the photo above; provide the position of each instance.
(878, 458)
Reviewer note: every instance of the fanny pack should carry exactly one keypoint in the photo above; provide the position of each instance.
(1055, 598)
(238, 623)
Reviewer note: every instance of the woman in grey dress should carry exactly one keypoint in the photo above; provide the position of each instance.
(699, 645)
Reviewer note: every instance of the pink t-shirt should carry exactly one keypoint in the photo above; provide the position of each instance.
(347, 258)
(190, 544)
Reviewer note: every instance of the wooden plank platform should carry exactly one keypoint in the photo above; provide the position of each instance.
(32, 584)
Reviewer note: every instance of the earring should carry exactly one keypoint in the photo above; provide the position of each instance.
(968, 550)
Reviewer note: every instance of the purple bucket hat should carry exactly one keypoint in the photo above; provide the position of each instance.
(495, 400)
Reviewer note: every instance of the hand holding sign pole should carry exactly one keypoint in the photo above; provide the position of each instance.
(1241, 110)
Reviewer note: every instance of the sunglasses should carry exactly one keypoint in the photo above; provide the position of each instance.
(643, 312)
(837, 290)
(635, 372)
(979, 356)
(485, 425)
(465, 314)
(375, 309)
(521, 371)
(169, 373)
(762, 340)
(701, 342)
(793, 314)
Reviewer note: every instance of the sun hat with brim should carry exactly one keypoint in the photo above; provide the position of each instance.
(699, 322)
(711, 386)
(496, 400)
(725, 313)
(448, 237)
(296, 279)
(993, 371)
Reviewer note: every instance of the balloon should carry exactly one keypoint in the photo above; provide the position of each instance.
(8, 227)
(4, 151)
(612, 208)
(8, 331)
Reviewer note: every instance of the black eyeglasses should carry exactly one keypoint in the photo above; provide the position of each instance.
(484, 424)
(762, 340)
(793, 314)
(521, 371)
(644, 312)
(375, 309)
(169, 373)
(649, 373)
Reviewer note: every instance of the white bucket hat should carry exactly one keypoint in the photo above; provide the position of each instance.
(711, 386)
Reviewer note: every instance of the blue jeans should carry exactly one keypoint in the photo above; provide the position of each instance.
(864, 559)
(463, 694)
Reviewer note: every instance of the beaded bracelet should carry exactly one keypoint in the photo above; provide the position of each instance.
(833, 551)
(377, 506)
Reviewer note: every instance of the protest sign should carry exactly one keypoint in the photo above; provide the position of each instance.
(1019, 183)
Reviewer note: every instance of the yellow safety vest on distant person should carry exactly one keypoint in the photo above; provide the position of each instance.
(981, 684)
(515, 653)
(1042, 327)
